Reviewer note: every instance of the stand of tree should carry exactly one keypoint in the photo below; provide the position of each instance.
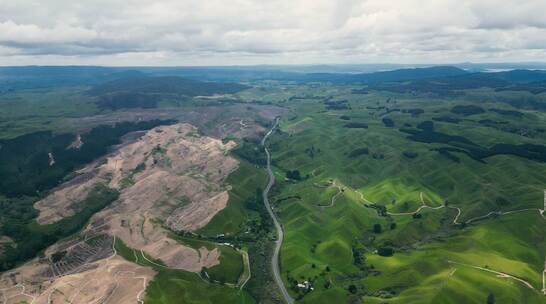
(31, 238)
(251, 151)
(27, 173)
(293, 174)
(460, 144)
(26, 169)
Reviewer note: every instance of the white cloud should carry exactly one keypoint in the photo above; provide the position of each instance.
(33, 34)
(181, 32)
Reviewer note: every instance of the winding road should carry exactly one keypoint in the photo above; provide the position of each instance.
(280, 234)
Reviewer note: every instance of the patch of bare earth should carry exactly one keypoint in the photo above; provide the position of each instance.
(62, 201)
(77, 143)
(112, 280)
(217, 121)
(179, 184)
(170, 178)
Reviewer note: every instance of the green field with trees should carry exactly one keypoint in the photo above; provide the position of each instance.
(434, 155)
(408, 186)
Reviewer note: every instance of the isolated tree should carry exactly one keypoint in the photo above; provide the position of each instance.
(417, 215)
(491, 298)
(295, 174)
(385, 251)
(377, 228)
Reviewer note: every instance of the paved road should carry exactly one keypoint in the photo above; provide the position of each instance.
(280, 234)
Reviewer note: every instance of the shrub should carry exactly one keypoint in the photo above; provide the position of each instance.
(426, 126)
(467, 110)
(356, 125)
(359, 152)
(410, 154)
(385, 251)
(414, 112)
(491, 298)
(388, 122)
(293, 174)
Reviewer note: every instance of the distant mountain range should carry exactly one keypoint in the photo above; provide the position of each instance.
(165, 85)
(533, 81)
(388, 76)
(432, 78)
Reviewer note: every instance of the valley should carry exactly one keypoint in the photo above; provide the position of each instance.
(308, 189)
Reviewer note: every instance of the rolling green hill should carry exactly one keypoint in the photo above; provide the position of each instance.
(410, 186)
(394, 233)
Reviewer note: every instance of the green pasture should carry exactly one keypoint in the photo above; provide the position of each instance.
(319, 241)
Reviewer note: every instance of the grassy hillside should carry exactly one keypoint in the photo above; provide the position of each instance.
(177, 286)
(236, 218)
(423, 186)
(371, 244)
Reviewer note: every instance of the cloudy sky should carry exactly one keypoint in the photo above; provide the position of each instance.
(211, 32)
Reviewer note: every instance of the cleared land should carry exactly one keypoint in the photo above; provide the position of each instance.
(169, 178)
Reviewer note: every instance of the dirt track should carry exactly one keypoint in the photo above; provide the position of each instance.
(334, 197)
(498, 273)
(423, 206)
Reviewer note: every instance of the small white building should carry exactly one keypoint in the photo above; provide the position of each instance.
(305, 285)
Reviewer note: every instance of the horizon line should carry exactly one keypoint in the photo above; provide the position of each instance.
(280, 65)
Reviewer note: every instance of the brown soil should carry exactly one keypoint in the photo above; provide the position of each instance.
(58, 204)
(111, 279)
(170, 175)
